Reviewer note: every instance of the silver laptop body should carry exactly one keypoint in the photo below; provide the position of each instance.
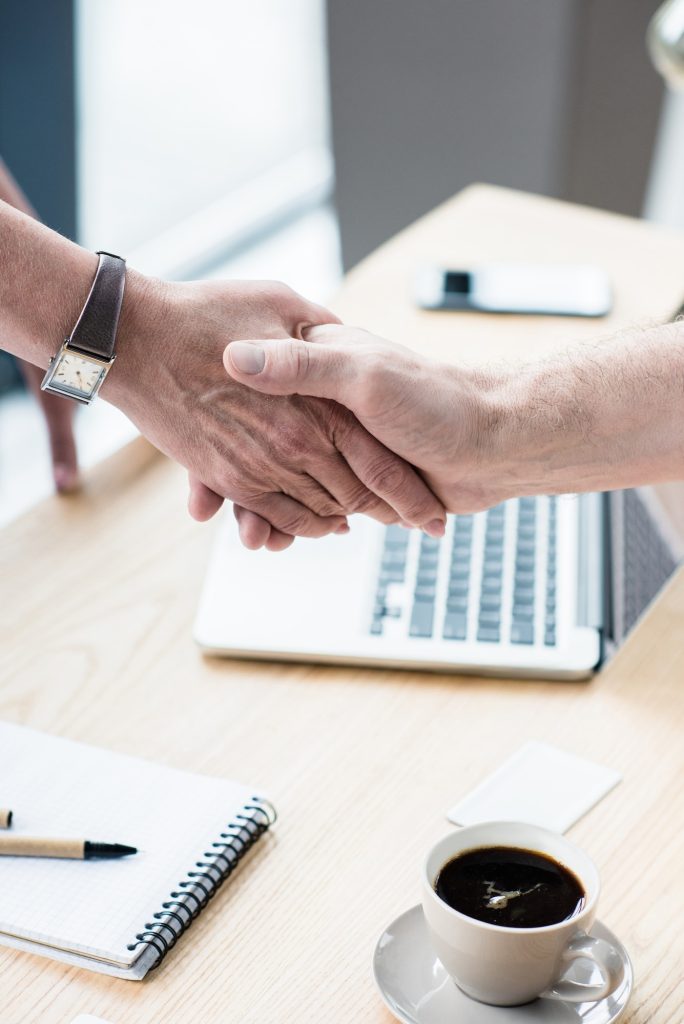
(535, 587)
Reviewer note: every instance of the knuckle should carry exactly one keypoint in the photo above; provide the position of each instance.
(386, 475)
(326, 507)
(281, 294)
(296, 524)
(361, 500)
(384, 514)
(366, 502)
(299, 358)
(278, 287)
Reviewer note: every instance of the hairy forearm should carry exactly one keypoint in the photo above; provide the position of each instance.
(601, 416)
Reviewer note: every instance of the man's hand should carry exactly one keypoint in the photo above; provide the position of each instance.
(595, 417)
(429, 413)
(59, 420)
(302, 464)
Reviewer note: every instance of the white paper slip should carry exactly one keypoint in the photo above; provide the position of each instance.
(540, 785)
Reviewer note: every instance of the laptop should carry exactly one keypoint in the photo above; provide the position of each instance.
(542, 587)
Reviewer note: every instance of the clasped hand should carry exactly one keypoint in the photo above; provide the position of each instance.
(421, 410)
(293, 465)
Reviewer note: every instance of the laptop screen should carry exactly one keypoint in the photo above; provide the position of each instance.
(645, 546)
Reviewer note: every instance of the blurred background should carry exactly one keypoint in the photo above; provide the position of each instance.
(289, 138)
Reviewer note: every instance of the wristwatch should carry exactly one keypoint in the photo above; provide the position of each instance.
(80, 366)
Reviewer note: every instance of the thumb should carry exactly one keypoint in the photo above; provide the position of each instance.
(291, 367)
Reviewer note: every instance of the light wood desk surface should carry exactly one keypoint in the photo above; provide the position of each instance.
(98, 594)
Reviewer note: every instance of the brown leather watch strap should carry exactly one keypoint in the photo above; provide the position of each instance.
(95, 330)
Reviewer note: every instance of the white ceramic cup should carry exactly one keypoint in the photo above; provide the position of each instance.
(510, 966)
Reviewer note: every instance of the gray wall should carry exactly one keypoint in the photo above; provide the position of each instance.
(427, 96)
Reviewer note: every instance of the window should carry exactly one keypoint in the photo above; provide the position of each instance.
(200, 125)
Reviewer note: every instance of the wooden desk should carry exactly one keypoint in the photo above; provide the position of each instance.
(98, 594)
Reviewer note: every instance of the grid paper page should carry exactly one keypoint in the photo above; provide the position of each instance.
(60, 788)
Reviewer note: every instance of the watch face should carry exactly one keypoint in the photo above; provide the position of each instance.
(76, 374)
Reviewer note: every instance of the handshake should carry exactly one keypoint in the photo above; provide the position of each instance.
(270, 402)
(301, 425)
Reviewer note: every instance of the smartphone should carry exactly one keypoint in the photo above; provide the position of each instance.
(548, 289)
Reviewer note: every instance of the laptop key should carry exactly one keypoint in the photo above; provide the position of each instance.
(488, 635)
(421, 619)
(522, 633)
(455, 626)
(459, 587)
(391, 576)
(459, 576)
(396, 534)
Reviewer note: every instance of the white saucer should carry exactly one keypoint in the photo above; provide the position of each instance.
(418, 990)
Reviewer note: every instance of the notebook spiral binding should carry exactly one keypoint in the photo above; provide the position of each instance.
(194, 892)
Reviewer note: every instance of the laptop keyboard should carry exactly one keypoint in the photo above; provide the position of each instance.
(492, 578)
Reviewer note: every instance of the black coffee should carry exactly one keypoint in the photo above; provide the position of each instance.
(511, 887)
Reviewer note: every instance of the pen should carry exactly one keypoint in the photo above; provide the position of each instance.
(73, 849)
(5, 817)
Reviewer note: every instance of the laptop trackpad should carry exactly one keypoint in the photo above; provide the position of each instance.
(261, 599)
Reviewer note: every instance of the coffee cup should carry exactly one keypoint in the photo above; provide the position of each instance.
(508, 966)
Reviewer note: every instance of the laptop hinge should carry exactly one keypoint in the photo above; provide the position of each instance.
(590, 605)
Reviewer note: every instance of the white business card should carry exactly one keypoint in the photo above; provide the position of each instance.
(540, 785)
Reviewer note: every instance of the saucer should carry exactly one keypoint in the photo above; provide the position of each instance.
(418, 990)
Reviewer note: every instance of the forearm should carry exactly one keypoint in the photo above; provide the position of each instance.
(598, 417)
(44, 283)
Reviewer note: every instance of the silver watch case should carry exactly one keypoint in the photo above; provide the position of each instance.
(93, 370)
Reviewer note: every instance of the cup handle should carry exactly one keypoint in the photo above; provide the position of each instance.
(603, 955)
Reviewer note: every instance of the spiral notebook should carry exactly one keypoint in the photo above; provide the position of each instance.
(118, 917)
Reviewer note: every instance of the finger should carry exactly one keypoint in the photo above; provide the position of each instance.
(315, 317)
(351, 494)
(292, 367)
(60, 425)
(284, 367)
(304, 314)
(278, 541)
(255, 532)
(290, 517)
(59, 420)
(392, 479)
(203, 503)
